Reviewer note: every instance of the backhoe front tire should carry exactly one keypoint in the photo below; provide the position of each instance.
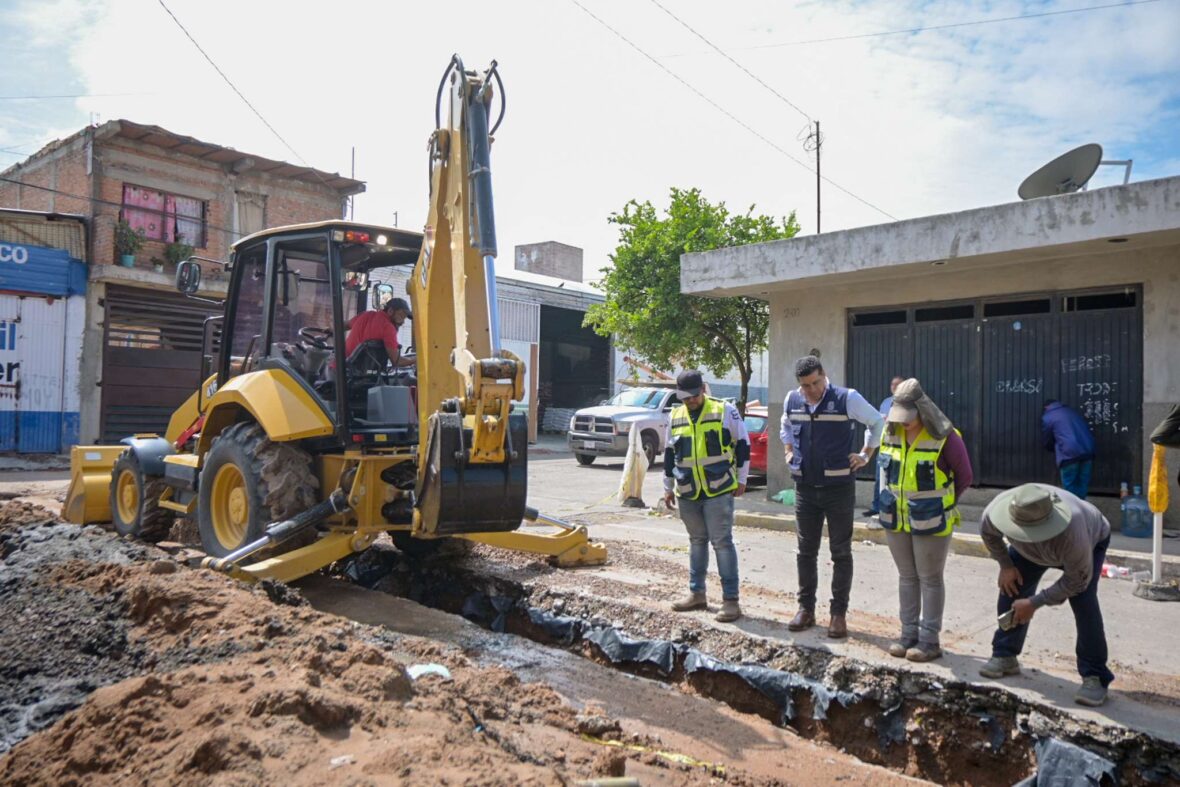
(135, 501)
(249, 482)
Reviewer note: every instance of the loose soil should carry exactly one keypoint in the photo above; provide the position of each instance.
(120, 665)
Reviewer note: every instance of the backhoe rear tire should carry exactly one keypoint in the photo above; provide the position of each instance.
(135, 501)
(249, 482)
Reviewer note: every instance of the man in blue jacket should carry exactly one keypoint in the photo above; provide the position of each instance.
(1064, 431)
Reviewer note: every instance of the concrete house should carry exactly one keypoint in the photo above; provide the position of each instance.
(1073, 297)
(140, 350)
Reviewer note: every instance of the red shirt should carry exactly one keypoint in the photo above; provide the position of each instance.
(372, 325)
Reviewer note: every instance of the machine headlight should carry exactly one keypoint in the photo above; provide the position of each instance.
(382, 240)
(622, 427)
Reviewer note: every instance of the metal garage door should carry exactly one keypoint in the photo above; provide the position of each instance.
(151, 358)
(991, 364)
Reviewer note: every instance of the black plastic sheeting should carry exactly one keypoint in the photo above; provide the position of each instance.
(1061, 764)
(660, 653)
(776, 685)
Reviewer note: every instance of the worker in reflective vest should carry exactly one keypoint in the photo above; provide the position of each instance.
(923, 467)
(706, 462)
(817, 431)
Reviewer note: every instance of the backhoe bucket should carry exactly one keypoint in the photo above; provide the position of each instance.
(89, 497)
(458, 496)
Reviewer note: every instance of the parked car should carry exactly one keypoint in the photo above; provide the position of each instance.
(604, 430)
(757, 424)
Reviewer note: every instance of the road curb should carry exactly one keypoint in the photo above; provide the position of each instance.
(961, 543)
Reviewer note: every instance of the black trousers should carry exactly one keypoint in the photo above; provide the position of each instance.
(814, 504)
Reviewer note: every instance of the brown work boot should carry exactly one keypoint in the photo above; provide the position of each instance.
(730, 611)
(838, 627)
(694, 600)
(804, 619)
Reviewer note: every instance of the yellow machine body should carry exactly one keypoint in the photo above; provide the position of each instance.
(467, 458)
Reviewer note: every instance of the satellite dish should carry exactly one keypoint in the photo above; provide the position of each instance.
(1064, 174)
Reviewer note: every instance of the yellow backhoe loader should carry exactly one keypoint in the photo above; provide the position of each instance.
(295, 453)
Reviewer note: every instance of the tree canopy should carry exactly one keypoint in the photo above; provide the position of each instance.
(644, 307)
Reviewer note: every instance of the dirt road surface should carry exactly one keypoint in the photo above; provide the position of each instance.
(120, 665)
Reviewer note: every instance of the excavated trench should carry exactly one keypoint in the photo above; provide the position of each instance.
(943, 731)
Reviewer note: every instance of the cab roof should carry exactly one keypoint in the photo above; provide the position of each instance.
(402, 249)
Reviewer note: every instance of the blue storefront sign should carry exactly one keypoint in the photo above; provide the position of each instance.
(40, 270)
(41, 324)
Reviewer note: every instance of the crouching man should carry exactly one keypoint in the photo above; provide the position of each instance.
(706, 463)
(1048, 528)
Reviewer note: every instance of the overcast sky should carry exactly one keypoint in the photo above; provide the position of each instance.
(915, 123)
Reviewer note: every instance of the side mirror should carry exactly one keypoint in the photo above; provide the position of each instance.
(188, 276)
(381, 295)
(355, 281)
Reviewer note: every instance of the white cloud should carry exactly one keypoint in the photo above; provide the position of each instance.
(923, 123)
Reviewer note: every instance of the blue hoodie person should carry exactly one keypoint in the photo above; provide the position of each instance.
(1065, 432)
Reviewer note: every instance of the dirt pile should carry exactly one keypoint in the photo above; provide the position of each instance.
(15, 513)
(122, 666)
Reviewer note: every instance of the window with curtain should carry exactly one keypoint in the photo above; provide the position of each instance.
(163, 216)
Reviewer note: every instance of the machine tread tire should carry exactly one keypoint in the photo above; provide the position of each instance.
(279, 481)
(151, 523)
(584, 459)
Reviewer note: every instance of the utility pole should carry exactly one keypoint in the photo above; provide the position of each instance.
(818, 144)
(812, 141)
(352, 198)
(395, 218)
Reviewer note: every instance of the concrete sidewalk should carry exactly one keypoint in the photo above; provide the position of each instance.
(1134, 554)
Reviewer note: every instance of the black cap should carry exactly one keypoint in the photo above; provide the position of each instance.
(689, 383)
(399, 304)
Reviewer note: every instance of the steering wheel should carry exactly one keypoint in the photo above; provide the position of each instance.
(316, 337)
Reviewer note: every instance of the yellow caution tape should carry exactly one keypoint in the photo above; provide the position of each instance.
(670, 756)
(1157, 482)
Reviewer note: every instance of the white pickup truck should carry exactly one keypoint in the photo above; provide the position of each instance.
(605, 429)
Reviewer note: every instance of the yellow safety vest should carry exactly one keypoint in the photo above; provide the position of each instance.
(916, 495)
(704, 451)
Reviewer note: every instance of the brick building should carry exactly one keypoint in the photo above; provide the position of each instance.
(141, 345)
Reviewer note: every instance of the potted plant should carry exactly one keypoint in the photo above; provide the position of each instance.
(157, 264)
(177, 251)
(128, 242)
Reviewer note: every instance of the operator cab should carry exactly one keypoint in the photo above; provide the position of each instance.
(292, 293)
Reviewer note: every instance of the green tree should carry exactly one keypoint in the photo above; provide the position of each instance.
(644, 307)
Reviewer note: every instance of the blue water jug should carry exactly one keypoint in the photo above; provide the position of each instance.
(1136, 515)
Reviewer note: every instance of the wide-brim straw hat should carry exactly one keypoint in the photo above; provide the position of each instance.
(1030, 513)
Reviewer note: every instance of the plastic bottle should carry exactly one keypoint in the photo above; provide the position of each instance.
(1136, 515)
(1123, 491)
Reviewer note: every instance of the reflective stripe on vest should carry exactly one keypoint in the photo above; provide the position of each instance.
(822, 436)
(917, 496)
(704, 451)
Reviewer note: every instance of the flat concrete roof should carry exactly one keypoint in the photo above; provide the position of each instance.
(1117, 218)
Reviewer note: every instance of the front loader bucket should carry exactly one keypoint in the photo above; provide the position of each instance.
(89, 497)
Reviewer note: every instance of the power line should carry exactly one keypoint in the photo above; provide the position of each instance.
(948, 26)
(725, 111)
(233, 86)
(747, 71)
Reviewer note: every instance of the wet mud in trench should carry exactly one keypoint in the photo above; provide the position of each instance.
(948, 732)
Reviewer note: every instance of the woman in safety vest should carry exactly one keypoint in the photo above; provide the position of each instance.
(923, 468)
